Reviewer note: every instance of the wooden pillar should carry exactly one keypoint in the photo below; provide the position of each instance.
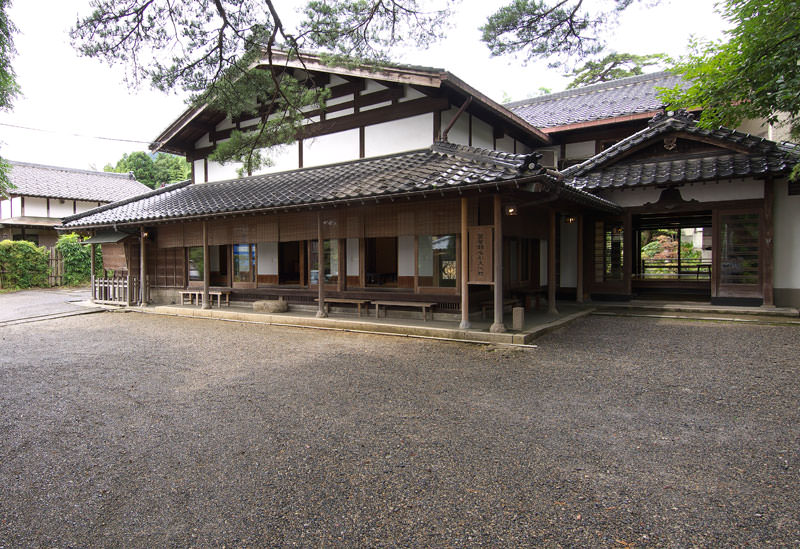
(320, 270)
(551, 264)
(767, 245)
(465, 325)
(91, 271)
(206, 267)
(579, 262)
(142, 264)
(627, 254)
(498, 326)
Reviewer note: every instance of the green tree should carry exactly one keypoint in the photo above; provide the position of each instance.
(8, 83)
(613, 67)
(165, 168)
(752, 73)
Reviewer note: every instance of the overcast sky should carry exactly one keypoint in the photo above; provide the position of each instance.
(78, 100)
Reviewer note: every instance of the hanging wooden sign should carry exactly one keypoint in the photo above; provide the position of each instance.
(481, 254)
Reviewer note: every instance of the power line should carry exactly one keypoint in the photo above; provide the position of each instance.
(75, 134)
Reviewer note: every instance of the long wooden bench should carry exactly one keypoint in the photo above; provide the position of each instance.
(357, 302)
(422, 305)
(486, 305)
(197, 296)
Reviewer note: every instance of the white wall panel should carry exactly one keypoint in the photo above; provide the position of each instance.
(734, 190)
(82, 206)
(60, 208)
(284, 158)
(482, 134)
(5, 208)
(330, 149)
(220, 172)
(505, 144)
(405, 256)
(407, 134)
(459, 133)
(580, 150)
(35, 207)
(267, 258)
(199, 171)
(411, 94)
(786, 215)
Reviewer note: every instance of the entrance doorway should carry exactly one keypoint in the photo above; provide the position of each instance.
(673, 256)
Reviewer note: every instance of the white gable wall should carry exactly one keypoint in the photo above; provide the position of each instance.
(406, 134)
(35, 207)
(60, 208)
(330, 149)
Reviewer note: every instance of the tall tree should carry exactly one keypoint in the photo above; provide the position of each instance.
(152, 170)
(752, 73)
(613, 67)
(556, 30)
(8, 83)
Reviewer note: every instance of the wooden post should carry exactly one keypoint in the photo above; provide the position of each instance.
(320, 270)
(206, 268)
(551, 265)
(498, 326)
(627, 254)
(465, 325)
(142, 264)
(91, 270)
(767, 245)
(579, 262)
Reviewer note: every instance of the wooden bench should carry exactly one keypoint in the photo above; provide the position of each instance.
(486, 305)
(357, 302)
(527, 293)
(197, 295)
(422, 305)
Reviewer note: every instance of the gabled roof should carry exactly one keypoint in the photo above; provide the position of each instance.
(427, 77)
(636, 95)
(444, 167)
(71, 184)
(736, 154)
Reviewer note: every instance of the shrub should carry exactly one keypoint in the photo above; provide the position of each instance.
(24, 264)
(77, 259)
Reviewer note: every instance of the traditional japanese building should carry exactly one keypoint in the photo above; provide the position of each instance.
(412, 187)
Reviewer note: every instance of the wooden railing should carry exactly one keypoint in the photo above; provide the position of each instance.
(671, 269)
(118, 290)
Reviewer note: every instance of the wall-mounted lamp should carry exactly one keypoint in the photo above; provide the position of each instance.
(511, 209)
(570, 219)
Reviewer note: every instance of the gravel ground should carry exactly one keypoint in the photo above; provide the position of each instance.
(136, 430)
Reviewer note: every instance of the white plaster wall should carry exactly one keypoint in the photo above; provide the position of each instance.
(5, 208)
(284, 157)
(375, 106)
(372, 86)
(398, 136)
(482, 134)
(548, 151)
(735, 190)
(16, 206)
(757, 127)
(337, 114)
(267, 253)
(542, 262)
(637, 196)
(569, 255)
(581, 149)
(220, 172)
(336, 80)
(405, 256)
(505, 144)
(523, 148)
(199, 171)
(225, 124)
(410, 94)
(35, 207)
(786, 213)
(459, 133)
(84, 206)
(352, 257)
(332, 148)
(202, 142)
(60, 208)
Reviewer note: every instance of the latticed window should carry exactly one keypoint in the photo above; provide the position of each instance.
(608, 251)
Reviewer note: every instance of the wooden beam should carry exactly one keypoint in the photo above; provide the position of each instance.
(465, 324)
(551, 263)
(320, 270)
(498, 326)
(206, 267)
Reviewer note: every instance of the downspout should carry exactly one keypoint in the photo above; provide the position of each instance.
(453, 121)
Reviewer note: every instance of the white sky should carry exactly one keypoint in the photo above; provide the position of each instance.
(66, 94)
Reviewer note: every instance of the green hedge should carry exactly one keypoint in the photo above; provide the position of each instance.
(23, 264)
(77, 259)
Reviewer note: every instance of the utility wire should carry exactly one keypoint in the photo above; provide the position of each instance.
(74, 134)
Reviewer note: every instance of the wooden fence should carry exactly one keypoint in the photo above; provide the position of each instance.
(118, 290)
(55, 261)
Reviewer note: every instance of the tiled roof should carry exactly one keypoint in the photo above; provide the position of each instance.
(72, 184)
(442, 167)
(749, 156)
(626, 96)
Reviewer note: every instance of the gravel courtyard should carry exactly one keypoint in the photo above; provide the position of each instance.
(137, 430)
